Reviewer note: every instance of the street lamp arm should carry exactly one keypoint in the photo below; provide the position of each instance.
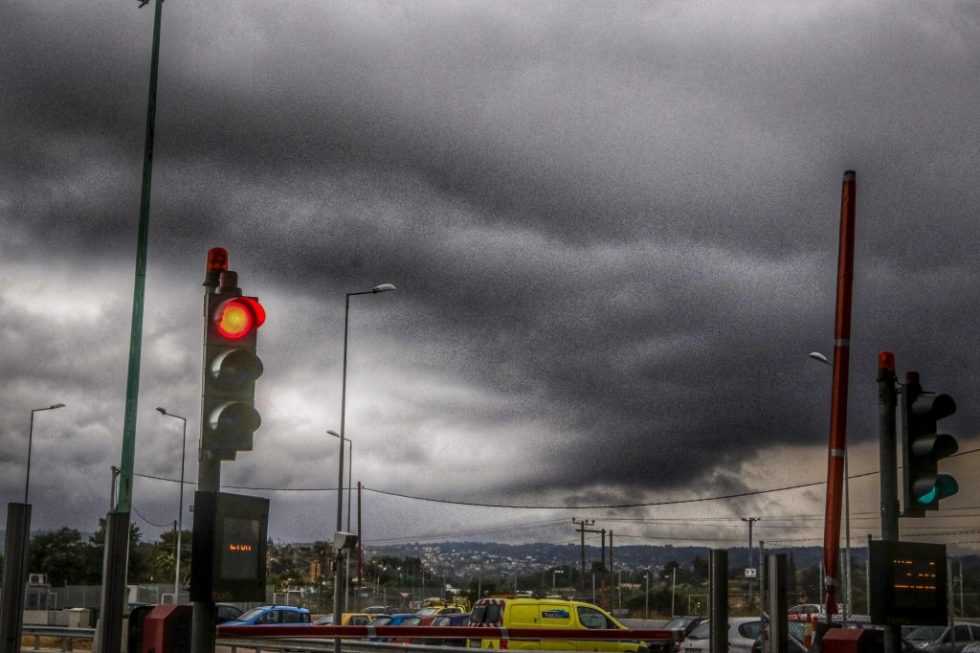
(180, 503)
(30, 443)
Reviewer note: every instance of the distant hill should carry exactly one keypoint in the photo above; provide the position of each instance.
(466, 558)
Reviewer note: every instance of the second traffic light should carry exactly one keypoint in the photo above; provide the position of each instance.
(231, 368)
(923, 447)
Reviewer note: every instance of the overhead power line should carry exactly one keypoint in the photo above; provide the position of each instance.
(475, 504)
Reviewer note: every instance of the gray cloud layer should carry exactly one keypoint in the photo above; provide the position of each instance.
(613, 229)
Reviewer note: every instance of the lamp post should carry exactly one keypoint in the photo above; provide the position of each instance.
(553, 573)
(350, 465)
(646, 598)
(30, 442)
(15, 558)
(817, 356)
(384, 287)
(180, 503)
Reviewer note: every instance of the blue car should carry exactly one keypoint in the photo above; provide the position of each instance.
(398, 619)
(273, 615)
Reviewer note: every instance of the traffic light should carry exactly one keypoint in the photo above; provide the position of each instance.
(924, 446)
(230, 369)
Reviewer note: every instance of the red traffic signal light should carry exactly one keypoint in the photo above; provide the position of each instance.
(236, 318)
(231, 368)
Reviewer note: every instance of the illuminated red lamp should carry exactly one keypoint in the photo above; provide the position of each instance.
(238, 317)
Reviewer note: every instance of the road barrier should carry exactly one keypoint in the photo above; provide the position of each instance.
(68, 636)
(452, 632)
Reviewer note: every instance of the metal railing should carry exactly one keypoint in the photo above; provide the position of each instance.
(67, 636)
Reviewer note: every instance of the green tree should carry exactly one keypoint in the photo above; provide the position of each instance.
(139, 567)
(699, 569)
(62, 555)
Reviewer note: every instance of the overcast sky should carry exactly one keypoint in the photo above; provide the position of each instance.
(613, 228)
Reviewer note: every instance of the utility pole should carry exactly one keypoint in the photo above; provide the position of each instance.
(750, 521)
(582, 523)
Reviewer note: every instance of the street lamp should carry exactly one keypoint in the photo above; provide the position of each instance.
(350, 481)
(350, 470)
(30, 442)
(555, 571)
(180, 504)
(817, 356)
(338, 574)
(646, 598)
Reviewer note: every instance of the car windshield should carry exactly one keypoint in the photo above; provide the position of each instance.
(701, 631)
(927, 633)
(382, 621)
(251, 614)
(679, 622)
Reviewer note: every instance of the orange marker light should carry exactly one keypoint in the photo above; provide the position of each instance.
(217, 259)
(886, 361)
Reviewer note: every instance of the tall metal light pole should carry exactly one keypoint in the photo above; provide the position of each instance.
(338, 574)
(350, 469)
(562, 571)
(15, 558)
(30, 441)
(112, 602)
(180, 503)
(646, 598)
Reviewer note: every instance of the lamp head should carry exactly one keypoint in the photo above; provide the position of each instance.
(56, 406)
(162, 411)
(342, 541)
(817, 356)
(384, 287)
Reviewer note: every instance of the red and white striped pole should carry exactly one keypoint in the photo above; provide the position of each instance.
(838, 406)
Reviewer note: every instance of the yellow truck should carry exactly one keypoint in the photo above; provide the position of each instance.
(548, 614)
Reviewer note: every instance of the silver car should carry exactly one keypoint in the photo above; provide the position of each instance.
(742, 633)
(940, 639)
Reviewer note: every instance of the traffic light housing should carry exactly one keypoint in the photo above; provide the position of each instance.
(231, 368)
(924, 447)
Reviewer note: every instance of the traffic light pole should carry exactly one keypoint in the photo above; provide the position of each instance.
(203, 627)
(887, 459)
(888, 466)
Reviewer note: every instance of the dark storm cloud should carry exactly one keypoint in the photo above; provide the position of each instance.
(613, 228)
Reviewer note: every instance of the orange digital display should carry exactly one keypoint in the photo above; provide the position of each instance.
(908, 581)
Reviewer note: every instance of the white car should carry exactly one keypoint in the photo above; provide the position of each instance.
(742, 633)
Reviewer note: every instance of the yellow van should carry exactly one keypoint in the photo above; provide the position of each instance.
(545, 614)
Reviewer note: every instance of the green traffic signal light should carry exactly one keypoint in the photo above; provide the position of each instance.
(923, 446)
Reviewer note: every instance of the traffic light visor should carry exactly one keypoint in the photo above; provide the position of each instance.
(237, 318)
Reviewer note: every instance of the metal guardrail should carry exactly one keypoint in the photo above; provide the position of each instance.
(68, 636)
(451, 632)
(320, 639)
(303, 645)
